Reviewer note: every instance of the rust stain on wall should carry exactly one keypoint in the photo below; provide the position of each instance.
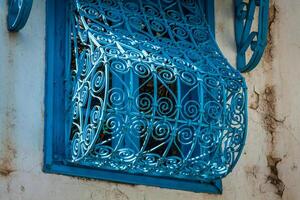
(9, 151)
(273, 18)
(273, 177)
(267, 101)
(7, 126)
(6, 167)
(270, 124)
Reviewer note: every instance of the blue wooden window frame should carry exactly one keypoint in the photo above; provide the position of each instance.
(57, 56)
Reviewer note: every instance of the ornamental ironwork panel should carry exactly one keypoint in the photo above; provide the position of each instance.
(152, 93)
(251, 41)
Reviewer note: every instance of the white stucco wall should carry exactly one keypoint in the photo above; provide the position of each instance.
(268, 169)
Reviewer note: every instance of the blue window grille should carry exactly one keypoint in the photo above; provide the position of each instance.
(139, 92)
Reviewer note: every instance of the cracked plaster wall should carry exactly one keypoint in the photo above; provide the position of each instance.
(268, 168)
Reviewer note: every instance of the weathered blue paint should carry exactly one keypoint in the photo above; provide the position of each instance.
(246, 38)
(18, 13)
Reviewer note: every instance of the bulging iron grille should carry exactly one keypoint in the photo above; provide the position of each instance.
(152, 93)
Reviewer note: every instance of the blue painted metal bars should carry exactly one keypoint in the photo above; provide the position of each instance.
(57, 106)
(152, 94)
(246, 38)
(137, 91)
(18, 13)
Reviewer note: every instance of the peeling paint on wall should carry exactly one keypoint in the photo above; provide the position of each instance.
(273, 177)
(271, 123)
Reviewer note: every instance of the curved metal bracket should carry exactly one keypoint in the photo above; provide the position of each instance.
(246, 38)
(18, 13)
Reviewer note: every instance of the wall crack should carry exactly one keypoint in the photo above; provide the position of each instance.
(254, 105)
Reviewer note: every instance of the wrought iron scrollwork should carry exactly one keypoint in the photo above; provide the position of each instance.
(18, 13)
(246, 38)
(152, 93)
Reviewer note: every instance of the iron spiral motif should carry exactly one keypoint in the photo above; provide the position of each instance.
(152, 93)
(18, 14)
